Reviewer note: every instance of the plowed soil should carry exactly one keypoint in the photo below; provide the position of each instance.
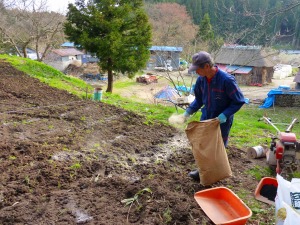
(64, 160)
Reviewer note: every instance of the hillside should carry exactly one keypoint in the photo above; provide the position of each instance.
(65, 160)
(257, 22)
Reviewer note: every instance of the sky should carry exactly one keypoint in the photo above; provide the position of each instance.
(59, 5)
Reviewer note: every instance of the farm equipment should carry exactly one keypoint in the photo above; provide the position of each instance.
(284, 152)
(147, 79)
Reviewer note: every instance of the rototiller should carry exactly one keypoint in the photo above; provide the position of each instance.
(284, 150)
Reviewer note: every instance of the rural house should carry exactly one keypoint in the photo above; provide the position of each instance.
(250, 64)
(163, 56)
(87, 57)
(61, 58)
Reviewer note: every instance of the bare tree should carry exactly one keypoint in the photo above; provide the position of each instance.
(27, 23)
(171, 25)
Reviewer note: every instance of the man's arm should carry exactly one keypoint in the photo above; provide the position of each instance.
(236, 96)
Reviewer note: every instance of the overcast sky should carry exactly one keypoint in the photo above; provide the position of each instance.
(59, 5)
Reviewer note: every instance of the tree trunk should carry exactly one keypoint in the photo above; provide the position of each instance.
(24, 51)
(110, 76)
(37, 50)
(296, 35)
(110, 81)
(45, 52)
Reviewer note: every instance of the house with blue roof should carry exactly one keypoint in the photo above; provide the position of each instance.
(86, 57)
(62, 58)
(163, 57)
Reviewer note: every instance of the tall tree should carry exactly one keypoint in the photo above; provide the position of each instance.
(249, 22)
(117, 31)
(206, 32)
(206, 39)
(171, 25)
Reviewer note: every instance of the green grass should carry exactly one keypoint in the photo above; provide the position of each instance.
(258, 172)
(127, 83)
(152, 112)
(248, 131)
(50, 76)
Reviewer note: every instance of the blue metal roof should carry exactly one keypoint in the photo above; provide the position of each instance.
(153, 48)
(239, 69)
(68, 44)
(292, 51)
(166, 48)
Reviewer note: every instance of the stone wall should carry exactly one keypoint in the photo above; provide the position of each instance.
(287, 100)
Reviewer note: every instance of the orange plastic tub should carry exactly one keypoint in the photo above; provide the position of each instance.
(264, 181)
(223, 206)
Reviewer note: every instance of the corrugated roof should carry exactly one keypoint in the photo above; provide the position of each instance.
(291, 51)
(239, 69)
(68, 44)
(244, 57)
(166, 48)
(153, 48)
(235, 69)
(67, 52)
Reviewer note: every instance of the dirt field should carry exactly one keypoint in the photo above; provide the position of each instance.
(69, 161)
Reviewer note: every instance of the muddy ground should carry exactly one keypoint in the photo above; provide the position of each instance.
(70, 161)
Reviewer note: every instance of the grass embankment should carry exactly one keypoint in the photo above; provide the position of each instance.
(50, 76)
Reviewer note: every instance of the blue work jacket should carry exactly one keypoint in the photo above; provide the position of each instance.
(220, 95)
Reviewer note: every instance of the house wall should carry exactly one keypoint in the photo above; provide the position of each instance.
(62, 62)
(62, 65)
(66, 58)
(262, 75)
(158, 59)
(244, 79)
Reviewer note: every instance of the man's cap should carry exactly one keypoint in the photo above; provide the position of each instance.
(199, 59)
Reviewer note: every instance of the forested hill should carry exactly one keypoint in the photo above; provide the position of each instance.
(268, 22)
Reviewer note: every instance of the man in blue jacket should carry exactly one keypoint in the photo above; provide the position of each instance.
(216, 94)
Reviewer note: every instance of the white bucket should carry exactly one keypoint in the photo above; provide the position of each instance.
(256, 152)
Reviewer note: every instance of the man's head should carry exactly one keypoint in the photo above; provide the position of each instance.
(199, 61)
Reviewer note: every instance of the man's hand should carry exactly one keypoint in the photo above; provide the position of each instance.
(222, 118)
(186, 116)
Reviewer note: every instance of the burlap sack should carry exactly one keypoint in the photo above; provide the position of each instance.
(208, 150)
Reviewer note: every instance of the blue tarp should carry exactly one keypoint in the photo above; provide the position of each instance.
(269, 101)
(168, 93)
(185, 89)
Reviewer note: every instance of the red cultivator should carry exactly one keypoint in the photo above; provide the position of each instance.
(284, 150)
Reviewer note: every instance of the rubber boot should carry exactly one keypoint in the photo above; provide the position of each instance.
(195, 175)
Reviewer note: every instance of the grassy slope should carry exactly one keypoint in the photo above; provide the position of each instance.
(49, 75)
